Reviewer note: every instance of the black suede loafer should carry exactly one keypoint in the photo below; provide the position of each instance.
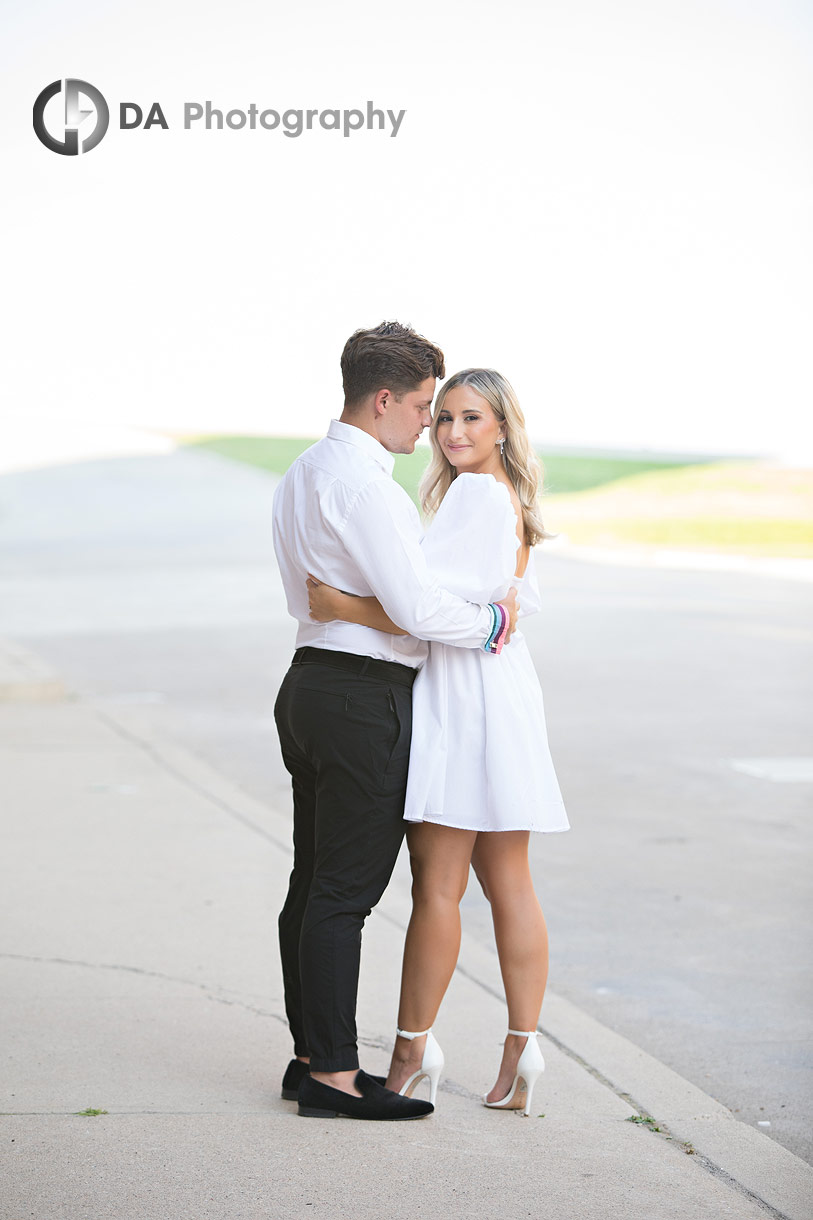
(377, 1104)
(296, 1072)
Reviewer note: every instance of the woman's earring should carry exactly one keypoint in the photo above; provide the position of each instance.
(502, 446)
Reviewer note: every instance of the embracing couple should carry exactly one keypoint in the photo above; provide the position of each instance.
(411, 703)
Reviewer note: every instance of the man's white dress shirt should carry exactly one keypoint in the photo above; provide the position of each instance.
(339, 514)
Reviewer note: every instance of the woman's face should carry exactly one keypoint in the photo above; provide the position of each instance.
(469, 432)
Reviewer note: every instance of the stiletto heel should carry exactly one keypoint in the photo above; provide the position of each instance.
(530, 1067)
(431, 1064)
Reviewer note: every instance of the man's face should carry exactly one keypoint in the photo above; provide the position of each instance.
(404, 421)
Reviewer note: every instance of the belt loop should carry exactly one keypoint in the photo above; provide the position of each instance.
(364, 667)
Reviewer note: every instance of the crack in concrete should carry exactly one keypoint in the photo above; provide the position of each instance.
(179, 775)
(133, 1113)
(707, 1164)
(217, 997)
(700, 1158)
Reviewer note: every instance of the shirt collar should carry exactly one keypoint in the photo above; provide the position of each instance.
(352, 435)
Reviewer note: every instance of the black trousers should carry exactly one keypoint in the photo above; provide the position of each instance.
(345, 740)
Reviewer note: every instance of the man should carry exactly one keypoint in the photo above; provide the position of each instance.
(344, 710)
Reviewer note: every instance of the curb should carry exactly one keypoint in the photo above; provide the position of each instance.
(745, 1159)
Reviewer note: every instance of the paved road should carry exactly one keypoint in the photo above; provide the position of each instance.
(679, 906)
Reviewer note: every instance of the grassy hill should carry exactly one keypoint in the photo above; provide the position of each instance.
(563, 472)
(752, 508)
(737, 507)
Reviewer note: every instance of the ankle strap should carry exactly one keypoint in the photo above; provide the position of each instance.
(404, 1033)
(524, 1033)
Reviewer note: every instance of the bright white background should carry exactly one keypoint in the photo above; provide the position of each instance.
(610, 202)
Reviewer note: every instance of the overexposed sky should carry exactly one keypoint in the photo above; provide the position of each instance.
(608, 202)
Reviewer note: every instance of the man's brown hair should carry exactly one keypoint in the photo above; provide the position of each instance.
(391, 356)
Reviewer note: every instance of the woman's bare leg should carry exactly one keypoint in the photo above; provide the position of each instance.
(500, 860)
(439, 857)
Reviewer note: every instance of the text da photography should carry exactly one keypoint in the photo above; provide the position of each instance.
(205, 116)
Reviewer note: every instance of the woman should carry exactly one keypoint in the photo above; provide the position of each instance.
(480, 775)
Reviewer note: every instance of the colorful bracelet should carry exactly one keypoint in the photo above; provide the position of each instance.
(499, 628)
(495, 625)
(499, 639)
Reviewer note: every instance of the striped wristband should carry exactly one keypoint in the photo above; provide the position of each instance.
(499, 639)
(495, 623)
(499, 627)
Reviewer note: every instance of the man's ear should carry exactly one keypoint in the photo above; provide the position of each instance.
(382, 398)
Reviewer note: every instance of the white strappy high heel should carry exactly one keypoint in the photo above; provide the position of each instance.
(431, 1064)
(530, 1067)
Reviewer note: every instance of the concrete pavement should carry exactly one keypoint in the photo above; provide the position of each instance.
(139, 893)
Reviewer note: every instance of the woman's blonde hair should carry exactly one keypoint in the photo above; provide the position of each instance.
(521, 463)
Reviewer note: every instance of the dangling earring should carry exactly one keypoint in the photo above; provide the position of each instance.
(502, 446)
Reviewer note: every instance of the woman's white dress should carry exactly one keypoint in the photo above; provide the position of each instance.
(479, 758)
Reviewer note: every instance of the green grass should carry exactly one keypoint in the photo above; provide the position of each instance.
(275, 453)
(563, 472)
(408, 470)
(643, 1120)
(754, 536)
(734, 507)
(747, 508)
